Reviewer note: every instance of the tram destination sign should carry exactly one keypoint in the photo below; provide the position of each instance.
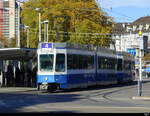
(46, 46)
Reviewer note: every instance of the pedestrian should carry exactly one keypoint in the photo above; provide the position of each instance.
(34, 74)
(17, 78)
(29, 76)
(10, 75)
(22, 74)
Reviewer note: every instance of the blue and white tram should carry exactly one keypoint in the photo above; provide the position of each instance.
(51, 67)
(67, 66)
(125, 67)
(64, 66)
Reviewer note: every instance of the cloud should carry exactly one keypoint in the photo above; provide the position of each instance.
(119, 3)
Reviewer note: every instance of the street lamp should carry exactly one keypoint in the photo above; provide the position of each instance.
(45, 30)
(27, 29)
(18, 39)
(38, 9)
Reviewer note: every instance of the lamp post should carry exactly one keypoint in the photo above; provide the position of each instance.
(45, 30)
(18, 39)
(38, 9)
(140, 64)
(27, 29)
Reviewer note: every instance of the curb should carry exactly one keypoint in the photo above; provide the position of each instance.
(141, 98)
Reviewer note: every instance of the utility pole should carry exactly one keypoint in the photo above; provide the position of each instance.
(141, 47)
(140, 73)
(38, 9)
(28, 38)
(47, 33)
(39, 27)
(27, 30)
(18, 39)
(45, 30)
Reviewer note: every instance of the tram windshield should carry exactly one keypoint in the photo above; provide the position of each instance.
(60, 62)
(46, 62)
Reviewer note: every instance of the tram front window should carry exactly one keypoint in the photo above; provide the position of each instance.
(46, 62)
(60, 63)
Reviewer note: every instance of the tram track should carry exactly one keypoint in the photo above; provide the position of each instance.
(105, 94)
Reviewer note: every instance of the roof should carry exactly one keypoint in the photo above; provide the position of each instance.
(142, 24)
(142, 21)
(120, 28)
(21, 54)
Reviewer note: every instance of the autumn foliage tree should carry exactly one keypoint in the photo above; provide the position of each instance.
(3, 41)
(77, 21)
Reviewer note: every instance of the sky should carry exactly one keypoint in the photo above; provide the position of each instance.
(126, 10)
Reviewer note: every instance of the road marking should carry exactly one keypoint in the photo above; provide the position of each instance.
(141, 98)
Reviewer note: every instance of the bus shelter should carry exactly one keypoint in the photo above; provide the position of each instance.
(18, 67)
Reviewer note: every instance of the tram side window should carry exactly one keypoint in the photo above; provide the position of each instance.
(106, 63)
(80, 61)
(46, 62)
(102, 63)
(72, 61)
(112, 63)
(127, 65)
(75, 62)
(60, 62)
(119, 65)
(90, 61)
(69, 61)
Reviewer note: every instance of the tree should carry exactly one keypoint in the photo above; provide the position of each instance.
(69, 21)
(3, 41)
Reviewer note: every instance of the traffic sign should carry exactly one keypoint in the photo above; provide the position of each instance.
(132, 51)
(147, 69)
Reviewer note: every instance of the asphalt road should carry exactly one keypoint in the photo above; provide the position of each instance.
(110, 99)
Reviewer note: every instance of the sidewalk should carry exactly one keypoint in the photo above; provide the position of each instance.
(145, 90)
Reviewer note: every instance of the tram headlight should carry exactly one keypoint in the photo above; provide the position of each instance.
(46, 78)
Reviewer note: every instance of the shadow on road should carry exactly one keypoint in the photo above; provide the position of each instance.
(12, 102)
(91, 88)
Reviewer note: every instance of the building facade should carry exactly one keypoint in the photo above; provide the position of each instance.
(126, 36)
(8, 18)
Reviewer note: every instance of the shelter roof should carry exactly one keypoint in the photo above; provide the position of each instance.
(20, 54)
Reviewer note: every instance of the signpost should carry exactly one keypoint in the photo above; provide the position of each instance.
(142, 47)
(132, 51)
(140, 72)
